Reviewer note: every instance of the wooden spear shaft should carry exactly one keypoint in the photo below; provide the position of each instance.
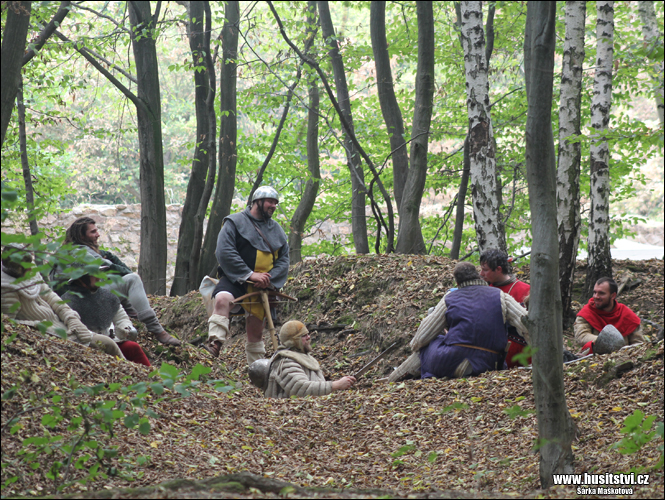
(271, 326)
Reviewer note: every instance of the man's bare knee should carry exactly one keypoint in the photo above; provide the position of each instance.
(223, 302)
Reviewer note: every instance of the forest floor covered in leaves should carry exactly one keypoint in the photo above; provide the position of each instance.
(423, 438)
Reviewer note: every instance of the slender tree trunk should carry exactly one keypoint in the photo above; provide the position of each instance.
(312, 186)
(600, 259)
(197, 179)
(381, 222)
(570, 153)
(358, 220)
(461, 198)
(13, 46)
(555, 431)
(392, 115)
(410, 237)
(195, 271)
(486, 210)
(27, 177)
(654, 39)
(47, 31)
(152, 259)
(221, 205)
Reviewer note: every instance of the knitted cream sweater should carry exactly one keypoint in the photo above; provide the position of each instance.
(290, 378)
(434, 325)
(37, 303)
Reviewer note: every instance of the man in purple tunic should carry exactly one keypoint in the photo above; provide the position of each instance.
(466, 333)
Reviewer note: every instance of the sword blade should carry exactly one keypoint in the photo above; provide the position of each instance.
(369, 365)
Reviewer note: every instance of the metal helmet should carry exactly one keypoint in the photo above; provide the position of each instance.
(258, 373)
(265, 192)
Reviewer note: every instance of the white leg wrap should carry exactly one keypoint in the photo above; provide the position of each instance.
(411, 366)
(218, 327)
(254, 351)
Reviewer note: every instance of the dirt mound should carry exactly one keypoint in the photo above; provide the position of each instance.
(413, 438)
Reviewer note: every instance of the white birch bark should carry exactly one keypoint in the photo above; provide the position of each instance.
(653, 38)
(488, 221)
(570, 153)
(600, 260)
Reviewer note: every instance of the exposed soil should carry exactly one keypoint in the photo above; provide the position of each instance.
(457, 437)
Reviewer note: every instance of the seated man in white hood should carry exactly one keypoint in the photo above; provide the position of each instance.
(31, 301)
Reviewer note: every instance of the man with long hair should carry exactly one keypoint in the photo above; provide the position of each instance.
(84, 232)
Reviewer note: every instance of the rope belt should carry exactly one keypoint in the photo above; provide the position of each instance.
(476, 347)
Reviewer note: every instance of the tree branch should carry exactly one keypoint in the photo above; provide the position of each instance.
(445, 221)
(85, 53)
(391, 229)
(113, 66)
(79, 5)
(155, 16)
(47, 31)
(285, 112)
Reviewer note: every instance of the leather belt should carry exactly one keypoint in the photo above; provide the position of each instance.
(476, 347)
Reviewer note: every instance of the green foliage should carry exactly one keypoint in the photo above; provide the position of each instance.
(456, 406)
(516, 411)
(83, 147)
(523, 357)
(637, 429)
(91, 416)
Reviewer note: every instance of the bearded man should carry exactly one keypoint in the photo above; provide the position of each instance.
(603, 310)
(83, 232)
(252, 253)
(295, 372)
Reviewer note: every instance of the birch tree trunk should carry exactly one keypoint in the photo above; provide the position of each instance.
(358, 220)
(600, 259)
(392, 115)
(152, 259)
(410, 237)
(570, 153)
(308, 197)
(653, 38)
(486, 210)
(555, 427)
(228, 131)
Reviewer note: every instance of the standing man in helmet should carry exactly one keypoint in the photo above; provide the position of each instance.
(252, 253)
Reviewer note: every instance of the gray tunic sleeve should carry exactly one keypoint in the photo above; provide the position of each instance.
(227, 253)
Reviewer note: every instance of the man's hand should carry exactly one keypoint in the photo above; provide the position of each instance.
(83, 335)
(260, 280)
(586, 350)
(343, 383)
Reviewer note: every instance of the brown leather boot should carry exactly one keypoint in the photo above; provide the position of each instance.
(214, 347)
(165, 338)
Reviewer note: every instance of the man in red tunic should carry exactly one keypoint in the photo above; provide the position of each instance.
(495, 269)
(603, 310)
